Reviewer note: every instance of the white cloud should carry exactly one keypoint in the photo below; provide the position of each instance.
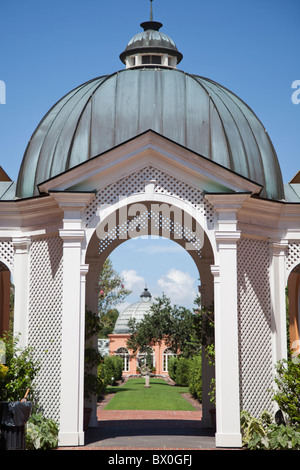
(179, 286)
(132, 280)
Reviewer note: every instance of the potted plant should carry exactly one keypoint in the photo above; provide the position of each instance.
(17, 373)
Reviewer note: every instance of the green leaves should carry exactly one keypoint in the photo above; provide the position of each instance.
(180, 328)
(41, 433)
(287, 393)
(21, 369)
(111, 288)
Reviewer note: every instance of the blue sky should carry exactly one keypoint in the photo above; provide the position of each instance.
(249, 46)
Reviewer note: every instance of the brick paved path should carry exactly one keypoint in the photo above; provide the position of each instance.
(148, 430)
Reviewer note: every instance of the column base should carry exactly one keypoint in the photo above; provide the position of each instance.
(71, 439)
(228, 440)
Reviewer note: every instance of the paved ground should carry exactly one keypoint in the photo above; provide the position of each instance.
(149, 430)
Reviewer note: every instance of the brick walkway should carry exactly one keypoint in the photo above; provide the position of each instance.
(148, 430)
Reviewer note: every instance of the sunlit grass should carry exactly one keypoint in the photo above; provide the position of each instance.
(160, 396)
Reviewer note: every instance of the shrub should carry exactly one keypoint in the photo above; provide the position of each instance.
(113, 366)
(287, 394)
(195, 377)
(18, 372)
(41, 433)
(101, 379)
(262, 434)
(172, 366)
(182, 372)
(254, 429)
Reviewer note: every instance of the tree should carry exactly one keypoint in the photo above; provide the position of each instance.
(111, 288)
(177, 326)
(108, 321)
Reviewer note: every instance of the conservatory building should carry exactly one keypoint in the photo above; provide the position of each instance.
(152, 150)
(133, 363)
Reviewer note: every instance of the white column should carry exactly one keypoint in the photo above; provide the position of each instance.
(226, 343)
(226, 206)
(71, 404)
(278, 303)
(21, 283)
(73, 318)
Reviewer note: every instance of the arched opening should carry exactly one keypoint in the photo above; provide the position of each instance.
(294, 308)
(6, 299)
(124, 354)
(142, 220)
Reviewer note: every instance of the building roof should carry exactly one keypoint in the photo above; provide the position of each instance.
(136, 310)
(193, 111)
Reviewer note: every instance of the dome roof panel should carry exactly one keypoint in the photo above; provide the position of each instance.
(190, 110)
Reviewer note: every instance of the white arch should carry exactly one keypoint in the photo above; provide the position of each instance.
(108, 212)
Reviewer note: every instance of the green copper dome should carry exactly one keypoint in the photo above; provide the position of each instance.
(190, 110)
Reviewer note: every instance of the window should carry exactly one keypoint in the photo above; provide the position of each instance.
(166, 356)
(151, 59)
(124, 354)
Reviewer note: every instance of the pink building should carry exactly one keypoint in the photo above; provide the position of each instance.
(118, 340)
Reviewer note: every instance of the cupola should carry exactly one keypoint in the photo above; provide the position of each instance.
(151, 48)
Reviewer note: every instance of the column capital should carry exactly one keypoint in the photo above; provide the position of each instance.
(215, 270)
(84, 269)
(230, 237)
(72, 201)
(21, 244)
(278, 247)
(71, 235)
(230, 202)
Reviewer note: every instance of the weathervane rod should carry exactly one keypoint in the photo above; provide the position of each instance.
(151, 11)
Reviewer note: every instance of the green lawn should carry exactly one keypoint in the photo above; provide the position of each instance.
(160, 396)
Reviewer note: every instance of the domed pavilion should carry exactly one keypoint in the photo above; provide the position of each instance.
(152, 150)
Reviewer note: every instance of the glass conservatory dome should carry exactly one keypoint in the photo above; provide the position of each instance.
(137, 310)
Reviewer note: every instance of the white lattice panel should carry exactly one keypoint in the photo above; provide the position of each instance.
(45, 315)
(256, 361)
(165, 184)
(292, 256)
(7, 253)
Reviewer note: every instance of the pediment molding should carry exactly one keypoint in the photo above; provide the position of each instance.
(147, 149)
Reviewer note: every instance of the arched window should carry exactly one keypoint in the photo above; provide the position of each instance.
(124, 354)
(166, 356)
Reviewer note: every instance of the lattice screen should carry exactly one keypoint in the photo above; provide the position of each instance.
(292, 257)
(7, 253)
(256, 362)
(45, 315)
(165, 184)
